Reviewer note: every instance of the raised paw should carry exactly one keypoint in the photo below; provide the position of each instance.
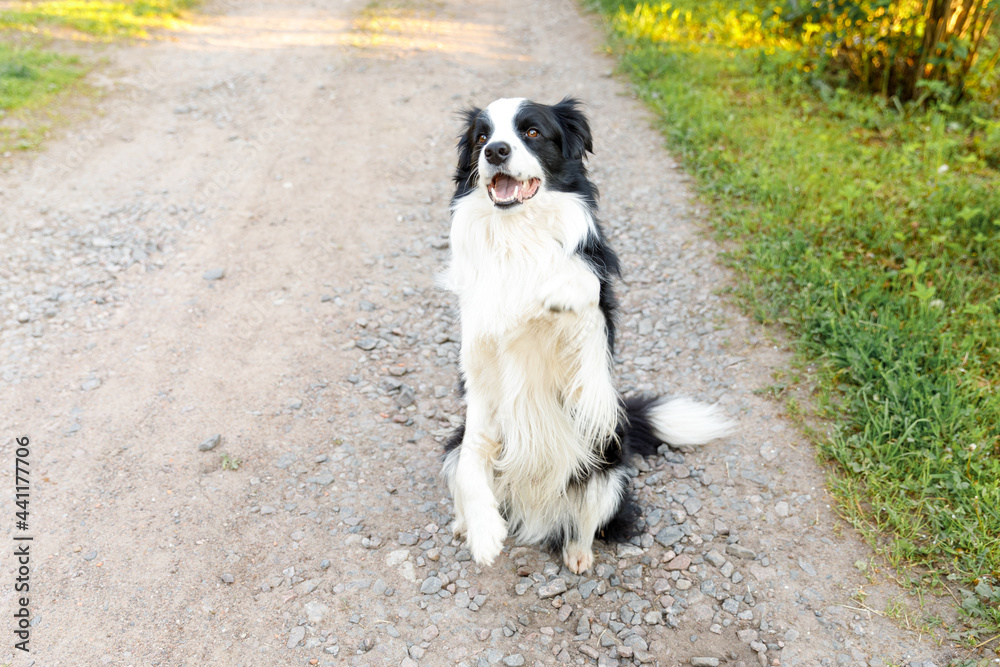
(578, 559)
(486, 532)
(570, 293)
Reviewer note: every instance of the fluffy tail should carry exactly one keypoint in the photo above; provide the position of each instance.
(652, 421)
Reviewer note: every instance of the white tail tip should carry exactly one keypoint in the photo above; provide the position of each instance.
(683, 422)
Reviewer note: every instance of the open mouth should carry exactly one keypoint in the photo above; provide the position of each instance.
(506, 191)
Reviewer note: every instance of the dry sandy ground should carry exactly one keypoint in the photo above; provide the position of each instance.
(311, 161)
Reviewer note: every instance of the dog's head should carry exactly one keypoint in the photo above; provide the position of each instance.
(514, 149)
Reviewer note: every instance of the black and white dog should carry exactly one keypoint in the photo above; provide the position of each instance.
(543, 450)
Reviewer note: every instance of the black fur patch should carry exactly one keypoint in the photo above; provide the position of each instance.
(466, 173)
(454, 440)
(604, 263)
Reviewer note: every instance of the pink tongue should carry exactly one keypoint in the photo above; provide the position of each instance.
(504, 187)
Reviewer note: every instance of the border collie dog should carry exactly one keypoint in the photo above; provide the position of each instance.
(543, 452)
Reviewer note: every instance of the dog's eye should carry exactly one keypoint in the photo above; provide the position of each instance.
(481, 139)
(532, 133)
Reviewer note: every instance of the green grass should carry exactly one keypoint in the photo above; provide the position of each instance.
(872, 231)
(32, 76)
(105, 20)
(29, 80)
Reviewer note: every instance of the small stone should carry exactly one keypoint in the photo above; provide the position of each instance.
(90, 385)
(366, 343)
(704, 662)
(669, 536)
(394, 558)
(515, 660)
(315, 611)
(214, 274)
(590, 651)
(715, 558)
(747, 636)
(296, 635)
(807, 567)
(323, 479)
(23, 317)
(431, 585)
(90, 555)
(692, 506)
(626, 550)
(429, 633)
(740, 551)
(552, 589)
(227, 578)
(781, 508)
(791, 635)
(210, 443)
(680, 563)
(682, 584)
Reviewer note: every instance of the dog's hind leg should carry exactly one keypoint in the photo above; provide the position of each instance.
(594, 503)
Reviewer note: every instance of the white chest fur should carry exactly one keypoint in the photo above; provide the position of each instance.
(534, 346)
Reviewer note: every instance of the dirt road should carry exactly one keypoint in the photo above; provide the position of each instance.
(307, 163)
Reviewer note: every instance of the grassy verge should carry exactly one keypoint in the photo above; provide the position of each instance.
(34, 75)
(29, 80)
(105, 20)
(872, 231)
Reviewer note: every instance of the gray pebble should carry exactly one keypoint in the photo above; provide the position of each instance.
(715, 558)
(227, 578)
(431, 585)
(366, 343)
(295, 636)
(210, 443)
(214, 274)
(669, 536)
(740, 551)
(552, 589)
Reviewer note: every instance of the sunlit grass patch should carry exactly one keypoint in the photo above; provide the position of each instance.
(872, 230)
(29, 78)
(105, 20)
(32, 78)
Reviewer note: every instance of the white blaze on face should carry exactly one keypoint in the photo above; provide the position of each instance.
(522, 163)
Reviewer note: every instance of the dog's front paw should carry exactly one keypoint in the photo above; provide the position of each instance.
(485, 534)
(578, 559)
(458, 527)
(570, 293)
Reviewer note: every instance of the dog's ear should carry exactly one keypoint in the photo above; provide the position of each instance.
(577, 140)
(466, 142)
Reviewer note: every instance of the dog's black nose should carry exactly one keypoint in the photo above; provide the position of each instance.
(497, 153)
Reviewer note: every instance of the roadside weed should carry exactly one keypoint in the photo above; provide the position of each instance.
(871, 230)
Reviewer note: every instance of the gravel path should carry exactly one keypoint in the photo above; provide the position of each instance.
(244, 244)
